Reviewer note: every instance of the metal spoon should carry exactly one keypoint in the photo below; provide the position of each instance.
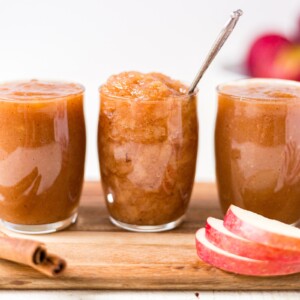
(223, 36)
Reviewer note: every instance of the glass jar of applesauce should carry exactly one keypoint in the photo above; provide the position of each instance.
(147, 142)
(257, 144)
(42, 152)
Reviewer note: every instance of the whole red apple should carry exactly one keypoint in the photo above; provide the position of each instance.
(287, 63)
(274, 56)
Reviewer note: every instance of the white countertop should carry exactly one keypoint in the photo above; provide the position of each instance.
(130, 295)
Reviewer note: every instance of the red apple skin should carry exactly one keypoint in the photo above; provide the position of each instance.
(260, 61)
(247, 248)
(256, 234)
(240, 265)
(287, 63)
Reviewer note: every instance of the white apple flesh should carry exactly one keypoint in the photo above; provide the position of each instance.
(262, 230)
(218, 235)
(227, 261)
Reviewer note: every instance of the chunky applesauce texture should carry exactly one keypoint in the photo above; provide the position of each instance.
(147, 142)
(139, 86)
(42, 151)
(258, 147)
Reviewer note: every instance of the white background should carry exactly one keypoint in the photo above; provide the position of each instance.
(88, 40)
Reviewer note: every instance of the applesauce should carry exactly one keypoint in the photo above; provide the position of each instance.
(257, 147)
(42, 152)
(147, 142)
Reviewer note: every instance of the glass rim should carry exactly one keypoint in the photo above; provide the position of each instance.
(245, 81)
(35, 98)
(126, 98)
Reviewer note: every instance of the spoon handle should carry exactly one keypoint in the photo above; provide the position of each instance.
(223, 36)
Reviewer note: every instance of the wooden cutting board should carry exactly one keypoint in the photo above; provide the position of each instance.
(102, 256)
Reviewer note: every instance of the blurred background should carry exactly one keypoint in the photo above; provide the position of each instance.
(88, 40)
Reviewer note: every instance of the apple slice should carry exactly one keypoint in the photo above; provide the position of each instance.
(227, 261)
(262, 230)
(218, 235)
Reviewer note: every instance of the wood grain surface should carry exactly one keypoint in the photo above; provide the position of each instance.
(102, 256)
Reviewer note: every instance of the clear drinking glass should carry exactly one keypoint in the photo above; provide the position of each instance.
(147, 152)
(257, 147)
(42, 152)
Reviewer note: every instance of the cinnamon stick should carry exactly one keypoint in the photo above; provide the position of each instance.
(31, 253)
(52, 266)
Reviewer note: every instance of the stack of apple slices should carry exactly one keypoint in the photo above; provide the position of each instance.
(249, 244)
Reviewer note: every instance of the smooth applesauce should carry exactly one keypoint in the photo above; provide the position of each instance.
(42, 151)
(257, 146)
(147, 141)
